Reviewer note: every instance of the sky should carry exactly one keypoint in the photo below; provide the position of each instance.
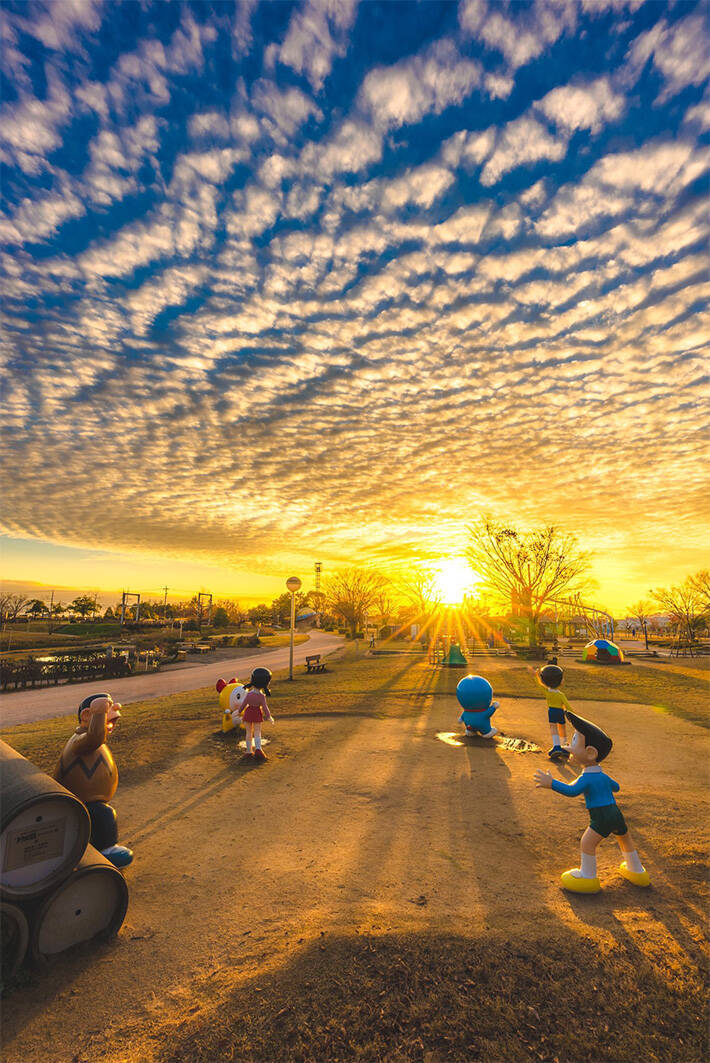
(327, 281)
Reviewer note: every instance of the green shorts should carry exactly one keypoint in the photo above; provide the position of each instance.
(606, 820)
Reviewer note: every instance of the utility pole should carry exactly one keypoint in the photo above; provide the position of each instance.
(293, 584)
(165, 606)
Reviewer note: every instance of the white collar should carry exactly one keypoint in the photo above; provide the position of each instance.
(591, 768)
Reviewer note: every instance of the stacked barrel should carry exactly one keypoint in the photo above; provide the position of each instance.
(56, 890)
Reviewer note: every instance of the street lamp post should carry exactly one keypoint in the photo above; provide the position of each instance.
(293, 584)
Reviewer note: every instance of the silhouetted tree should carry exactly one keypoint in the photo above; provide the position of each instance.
(260, 614)
(701, 585)
(84, 605)
(420, 588)
(527, 568)
(11, 605)
(281, 606)
(352, 592)
(684, 606)
(642, 611)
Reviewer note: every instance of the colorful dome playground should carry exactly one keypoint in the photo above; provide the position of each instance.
(602, 651)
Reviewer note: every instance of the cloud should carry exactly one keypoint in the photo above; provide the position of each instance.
(30, 129)
(589, 106)
(424, 84)
(34, 220)
(317, 34)
(522, 38)
(60, 24)
(521, 142)
(618, 181)
(373, 257)
(679, 52)
(282, 111)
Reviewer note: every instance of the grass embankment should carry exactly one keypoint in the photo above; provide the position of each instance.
(36, 640)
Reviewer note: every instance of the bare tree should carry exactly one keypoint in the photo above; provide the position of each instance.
(11, 605)
(684, 606)
(384, 604)
(351, 592)
(642, 611)
(701, 584)
(526, 568)
(420, 589)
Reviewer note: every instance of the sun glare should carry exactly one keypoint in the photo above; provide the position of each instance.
(454, 579)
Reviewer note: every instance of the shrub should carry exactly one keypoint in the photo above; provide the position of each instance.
(531, 653)
(248, 640)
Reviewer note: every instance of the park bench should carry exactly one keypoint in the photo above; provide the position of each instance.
(314, 663)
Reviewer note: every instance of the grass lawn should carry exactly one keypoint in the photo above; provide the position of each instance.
(151, 731)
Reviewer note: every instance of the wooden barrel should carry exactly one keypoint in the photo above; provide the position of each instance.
(90, 903)
(15, 935)
(43, 828)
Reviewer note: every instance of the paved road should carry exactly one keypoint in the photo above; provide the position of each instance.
(26, 706)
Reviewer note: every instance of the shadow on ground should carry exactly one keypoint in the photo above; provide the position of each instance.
(426, 999)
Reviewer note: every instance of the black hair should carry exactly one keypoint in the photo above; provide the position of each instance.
(260, 678)
(552, 675)
(86, 703)
(593, 735)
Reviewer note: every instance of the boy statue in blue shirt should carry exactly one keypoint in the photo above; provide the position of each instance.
(589, 746)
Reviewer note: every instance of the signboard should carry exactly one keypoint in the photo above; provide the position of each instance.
(31, 845)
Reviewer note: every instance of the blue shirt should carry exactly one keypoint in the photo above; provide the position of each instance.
(598, 788)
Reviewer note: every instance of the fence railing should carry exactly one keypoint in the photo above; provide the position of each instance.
(29, 672)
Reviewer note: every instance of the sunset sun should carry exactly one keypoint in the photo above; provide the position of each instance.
(454, 579)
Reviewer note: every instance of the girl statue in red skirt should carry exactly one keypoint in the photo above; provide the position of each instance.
(254, 710)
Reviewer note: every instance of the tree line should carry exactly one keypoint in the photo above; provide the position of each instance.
(521, 571)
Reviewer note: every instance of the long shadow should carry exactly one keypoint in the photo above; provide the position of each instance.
(485, 802)
(383, 833)
(617, 907)
(380, 832)
(182, 807)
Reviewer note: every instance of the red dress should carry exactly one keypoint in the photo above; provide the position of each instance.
(255, 707)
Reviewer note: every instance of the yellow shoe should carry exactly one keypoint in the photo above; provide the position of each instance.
(639, 878)
(580, 885)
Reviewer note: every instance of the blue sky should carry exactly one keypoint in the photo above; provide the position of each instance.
(330, 279)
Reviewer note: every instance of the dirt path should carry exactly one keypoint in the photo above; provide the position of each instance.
(361, 824)
(26, 706)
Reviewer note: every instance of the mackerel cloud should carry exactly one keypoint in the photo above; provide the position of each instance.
(351, 275)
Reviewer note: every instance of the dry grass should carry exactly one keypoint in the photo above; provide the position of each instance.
(415, 999)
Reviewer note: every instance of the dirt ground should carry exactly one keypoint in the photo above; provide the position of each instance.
(255, 890)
